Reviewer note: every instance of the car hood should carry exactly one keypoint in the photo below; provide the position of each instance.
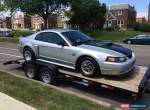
(106, 46)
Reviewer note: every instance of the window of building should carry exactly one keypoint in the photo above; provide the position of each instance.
(109, 21)
(118, 12)
(120, 23)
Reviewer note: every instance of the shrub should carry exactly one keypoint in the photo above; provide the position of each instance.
(141, 27)
(109, 29)
(144, 28)
(136, 27)
(19, 33)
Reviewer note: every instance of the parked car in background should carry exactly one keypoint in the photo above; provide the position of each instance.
(6, 33)
(75, 50)
(140, 39)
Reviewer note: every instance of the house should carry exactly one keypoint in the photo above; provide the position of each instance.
(120, 16)
(62, 21)
(37, 22)
(141, 20)
(52, 21)
(5, 23)
(21, 22)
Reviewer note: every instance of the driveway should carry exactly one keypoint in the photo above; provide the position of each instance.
(10, 52)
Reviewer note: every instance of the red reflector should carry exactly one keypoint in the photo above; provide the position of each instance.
(90, 83)
(125, 106)
(72, 78)
(110, 88)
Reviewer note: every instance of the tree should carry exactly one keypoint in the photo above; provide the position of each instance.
(43, 8)
(87, 14)
(12, 6)
(2, 9)
(3, 12)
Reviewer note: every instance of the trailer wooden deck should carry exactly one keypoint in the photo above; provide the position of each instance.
(130, 82)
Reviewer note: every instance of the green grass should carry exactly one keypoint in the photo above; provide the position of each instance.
(115, 36)
(9, 40)
(43, 97)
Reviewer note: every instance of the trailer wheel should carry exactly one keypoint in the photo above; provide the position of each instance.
(30, 71)
(47, 75)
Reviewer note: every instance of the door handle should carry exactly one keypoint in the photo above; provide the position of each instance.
(35, 45)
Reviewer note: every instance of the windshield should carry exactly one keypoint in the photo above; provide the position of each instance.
(76, 37)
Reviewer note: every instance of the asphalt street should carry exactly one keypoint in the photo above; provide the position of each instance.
(10, 52)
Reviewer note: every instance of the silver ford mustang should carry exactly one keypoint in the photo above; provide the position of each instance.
(75, 50)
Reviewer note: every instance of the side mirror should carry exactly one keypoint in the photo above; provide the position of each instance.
(62, 44)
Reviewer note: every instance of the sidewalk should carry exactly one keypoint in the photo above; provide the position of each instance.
(9, 103)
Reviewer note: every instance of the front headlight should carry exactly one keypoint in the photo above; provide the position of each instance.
(116, 59)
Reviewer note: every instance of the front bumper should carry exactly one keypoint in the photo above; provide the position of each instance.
(111, 68)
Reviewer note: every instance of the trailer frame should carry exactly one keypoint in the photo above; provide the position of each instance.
(85, 81)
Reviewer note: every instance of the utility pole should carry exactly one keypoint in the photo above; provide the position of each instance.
(149, 14)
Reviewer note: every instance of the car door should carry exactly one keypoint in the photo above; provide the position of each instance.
(55, 49)
(147, 40)
(138, 40)
(144, 40)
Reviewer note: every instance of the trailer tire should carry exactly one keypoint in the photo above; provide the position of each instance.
(47, 75)
(30, 71)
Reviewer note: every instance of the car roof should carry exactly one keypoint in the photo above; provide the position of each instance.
(141, 35)
(57, 30)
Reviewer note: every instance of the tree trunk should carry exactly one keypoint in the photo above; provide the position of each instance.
(46, 23)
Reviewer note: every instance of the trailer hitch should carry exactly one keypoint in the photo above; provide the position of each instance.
(147, 90)
(18, 61)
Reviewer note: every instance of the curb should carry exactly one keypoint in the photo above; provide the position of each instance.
(13, 103)
(63, 90)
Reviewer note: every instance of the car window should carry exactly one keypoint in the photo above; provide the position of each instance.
(76, 37)
(39, 37)
(141, 36)
(51, 37)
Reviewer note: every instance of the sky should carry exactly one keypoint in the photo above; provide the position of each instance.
(141, 6)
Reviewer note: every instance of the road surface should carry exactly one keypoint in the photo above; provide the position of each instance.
(10, 52)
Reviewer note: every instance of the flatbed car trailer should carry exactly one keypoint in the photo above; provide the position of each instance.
(136, 83)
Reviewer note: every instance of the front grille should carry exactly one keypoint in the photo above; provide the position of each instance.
(129, 56)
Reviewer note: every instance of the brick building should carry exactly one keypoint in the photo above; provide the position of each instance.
(21, 22)
(5, 23)
(37, 22)
(62, 21)
(141, 20)
(120, 16)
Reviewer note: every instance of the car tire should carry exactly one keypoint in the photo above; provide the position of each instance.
(89, 67)
(28, 54)
(129, 42)
(30, 71)
(47, 75)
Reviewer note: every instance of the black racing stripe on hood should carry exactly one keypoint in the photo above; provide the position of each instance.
(112, 46)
